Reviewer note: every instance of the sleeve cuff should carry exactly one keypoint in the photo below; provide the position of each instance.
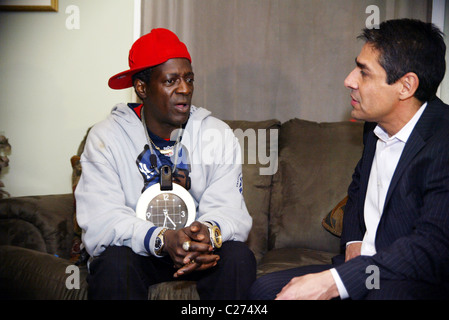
(351, 242)
(340, 286)
(150, 239)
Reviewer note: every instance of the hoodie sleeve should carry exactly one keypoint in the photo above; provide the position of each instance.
(104, 205)
(222, 200)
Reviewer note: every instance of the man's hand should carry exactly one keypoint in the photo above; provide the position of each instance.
(353, 250)
(315, 286)
(198, 257)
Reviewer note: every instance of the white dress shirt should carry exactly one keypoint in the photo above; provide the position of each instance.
(386, 158)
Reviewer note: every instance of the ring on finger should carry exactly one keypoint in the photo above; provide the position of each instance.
(186, 245)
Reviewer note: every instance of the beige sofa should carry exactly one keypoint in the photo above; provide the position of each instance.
(296, 213)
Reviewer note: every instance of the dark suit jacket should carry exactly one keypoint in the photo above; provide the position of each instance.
(412, 239)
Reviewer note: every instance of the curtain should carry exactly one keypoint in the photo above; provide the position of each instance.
(265, 59)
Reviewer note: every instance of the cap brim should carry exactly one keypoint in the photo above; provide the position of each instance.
(124, 79)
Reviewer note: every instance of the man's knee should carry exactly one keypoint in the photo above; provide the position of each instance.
(114, 259)
(238, 254)
(113, 275)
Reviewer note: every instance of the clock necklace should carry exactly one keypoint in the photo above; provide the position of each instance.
(165, 204)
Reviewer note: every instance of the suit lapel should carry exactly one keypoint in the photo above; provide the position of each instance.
(414, 144)
(421, 133)
(365, 170)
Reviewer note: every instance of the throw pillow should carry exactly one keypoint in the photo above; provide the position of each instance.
(333, 221)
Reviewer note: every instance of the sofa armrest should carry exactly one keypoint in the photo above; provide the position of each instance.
(32, 275)
(42, 223)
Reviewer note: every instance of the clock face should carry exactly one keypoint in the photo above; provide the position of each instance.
(167, 210)
(172, 209)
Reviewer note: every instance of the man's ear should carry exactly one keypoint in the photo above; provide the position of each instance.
(141, 88)
(410, 83)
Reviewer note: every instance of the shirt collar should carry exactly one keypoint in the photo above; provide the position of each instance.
(406, 130)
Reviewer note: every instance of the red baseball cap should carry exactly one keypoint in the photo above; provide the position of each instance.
(150, 50)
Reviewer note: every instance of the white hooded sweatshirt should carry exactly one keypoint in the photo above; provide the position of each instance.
(111, 182)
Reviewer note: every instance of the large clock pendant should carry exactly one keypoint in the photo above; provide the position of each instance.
(166, 204)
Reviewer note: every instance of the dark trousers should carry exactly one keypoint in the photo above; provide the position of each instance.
(120, 274)
(268, 286)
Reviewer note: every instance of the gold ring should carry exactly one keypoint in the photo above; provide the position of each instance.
(186, 245)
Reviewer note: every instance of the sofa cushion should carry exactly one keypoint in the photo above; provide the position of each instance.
(317, 161)
(33, 275)
(257, 186)
(288, 258)
(173, 290)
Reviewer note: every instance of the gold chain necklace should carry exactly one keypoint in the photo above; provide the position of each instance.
(167, 152)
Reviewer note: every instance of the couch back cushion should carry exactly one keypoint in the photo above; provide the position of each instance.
(256, 145)
(316, 163)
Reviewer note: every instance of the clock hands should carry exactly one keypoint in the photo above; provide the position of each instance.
(167, 217)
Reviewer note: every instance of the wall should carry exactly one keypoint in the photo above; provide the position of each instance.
(53, 86)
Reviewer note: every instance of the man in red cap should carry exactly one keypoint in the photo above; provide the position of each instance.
(151, 153)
